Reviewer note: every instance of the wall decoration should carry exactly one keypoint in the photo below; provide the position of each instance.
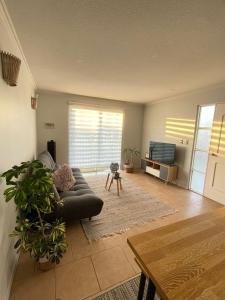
(10, 68)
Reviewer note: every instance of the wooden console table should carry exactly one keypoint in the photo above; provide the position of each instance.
(166, 172)
(184, 260)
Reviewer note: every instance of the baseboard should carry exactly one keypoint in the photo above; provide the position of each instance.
(8, 292)
(5, 293)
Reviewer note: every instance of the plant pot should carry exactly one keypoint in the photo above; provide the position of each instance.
(128, 168)
(44, 264)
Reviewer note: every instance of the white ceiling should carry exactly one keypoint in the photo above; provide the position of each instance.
(132, 50)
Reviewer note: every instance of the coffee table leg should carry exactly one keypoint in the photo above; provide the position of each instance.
(150, 291)
(121, 184)
(107, 180)
(141, 286)
(110, 184)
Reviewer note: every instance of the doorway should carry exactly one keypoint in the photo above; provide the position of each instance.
(203, 132)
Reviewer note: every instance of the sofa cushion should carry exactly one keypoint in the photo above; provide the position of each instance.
(74, 170)
(80, 207)
(81, 186)
(47, 160)
(80, 181)
(76, 193)
(63, 178)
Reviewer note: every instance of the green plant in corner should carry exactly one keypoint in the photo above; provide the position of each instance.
(129, 155)
(31, 187)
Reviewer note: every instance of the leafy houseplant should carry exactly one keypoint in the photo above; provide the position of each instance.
(129, 154)
(31, 187)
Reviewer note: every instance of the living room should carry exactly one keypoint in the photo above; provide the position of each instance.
(113, 82)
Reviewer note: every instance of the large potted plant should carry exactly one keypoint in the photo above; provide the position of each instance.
(31, 187)
(129, 155)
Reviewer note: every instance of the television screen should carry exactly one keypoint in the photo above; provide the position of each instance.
(162, 152)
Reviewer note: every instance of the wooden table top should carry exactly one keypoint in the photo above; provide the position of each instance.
(185, 260)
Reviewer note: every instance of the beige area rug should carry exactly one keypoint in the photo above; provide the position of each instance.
(133, 207)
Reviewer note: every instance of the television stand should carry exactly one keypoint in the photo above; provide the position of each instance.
(167, 173)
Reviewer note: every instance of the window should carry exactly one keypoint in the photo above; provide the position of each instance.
(95, 138)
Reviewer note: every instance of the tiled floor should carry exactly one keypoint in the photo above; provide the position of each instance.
(88, 268)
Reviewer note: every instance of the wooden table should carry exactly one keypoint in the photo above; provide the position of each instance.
(184, 260)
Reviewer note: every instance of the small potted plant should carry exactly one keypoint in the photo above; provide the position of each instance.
(31, 187)
(129, 154)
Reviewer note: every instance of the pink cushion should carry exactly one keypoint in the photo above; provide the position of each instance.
(63, 178)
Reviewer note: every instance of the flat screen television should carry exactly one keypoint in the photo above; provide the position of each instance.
(162, 152)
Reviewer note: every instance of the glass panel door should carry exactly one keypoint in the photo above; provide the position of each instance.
(201, 148)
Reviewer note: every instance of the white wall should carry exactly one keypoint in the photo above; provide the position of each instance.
(53, 108)
(181, 107)
(17, 143)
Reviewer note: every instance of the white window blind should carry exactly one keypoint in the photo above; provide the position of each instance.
(95, 138)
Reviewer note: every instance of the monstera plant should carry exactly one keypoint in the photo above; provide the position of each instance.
(31, 188)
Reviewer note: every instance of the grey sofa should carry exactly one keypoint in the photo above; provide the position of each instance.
(80, 201)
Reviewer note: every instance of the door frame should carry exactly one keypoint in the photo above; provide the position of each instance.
(193, 146)
(197, 120)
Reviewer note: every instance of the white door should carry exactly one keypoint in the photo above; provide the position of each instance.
(215, 175)
(201, 148)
